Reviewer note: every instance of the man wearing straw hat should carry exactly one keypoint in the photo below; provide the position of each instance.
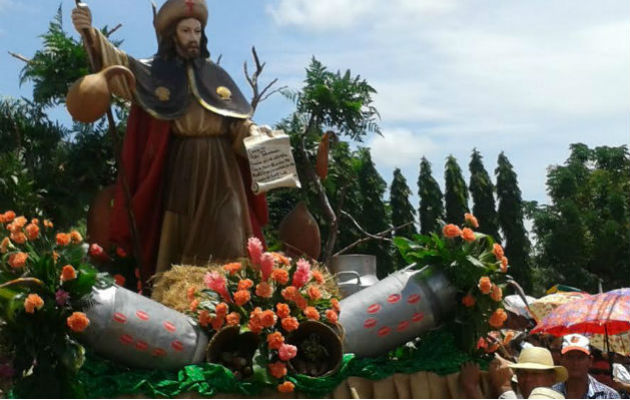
(577, 358)
(534, 369)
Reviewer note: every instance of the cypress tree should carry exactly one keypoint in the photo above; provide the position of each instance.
(456, 192)
(374, 218)
(402, 211)
(510, 212)
(431, 207)
(482, 193)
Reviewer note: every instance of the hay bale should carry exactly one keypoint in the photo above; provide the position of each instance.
(170, 287)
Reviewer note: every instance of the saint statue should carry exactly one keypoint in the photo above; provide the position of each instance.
(183, 155)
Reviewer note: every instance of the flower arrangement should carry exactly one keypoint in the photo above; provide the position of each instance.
(476, 267)
(45, 282)
(269, 296)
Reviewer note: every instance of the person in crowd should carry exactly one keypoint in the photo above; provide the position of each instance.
(534, 369)
(577, 359)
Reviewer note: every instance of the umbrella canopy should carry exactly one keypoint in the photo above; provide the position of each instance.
(603, 313)
(540, 308)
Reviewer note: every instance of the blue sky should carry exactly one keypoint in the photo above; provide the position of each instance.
(524, 77)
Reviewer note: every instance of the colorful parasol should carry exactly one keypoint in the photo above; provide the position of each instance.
(606, 313)
(540, 308)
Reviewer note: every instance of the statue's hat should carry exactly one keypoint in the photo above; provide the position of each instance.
(174, 10)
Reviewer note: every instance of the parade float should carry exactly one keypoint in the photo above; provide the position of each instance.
(264, 325)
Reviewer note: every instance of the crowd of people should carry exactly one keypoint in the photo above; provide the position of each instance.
(548, 367)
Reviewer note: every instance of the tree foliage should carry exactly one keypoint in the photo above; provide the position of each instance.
(431, 207)
(402, 211)
(511, 214)
(584, 234)
(482, 193)
(456, 192)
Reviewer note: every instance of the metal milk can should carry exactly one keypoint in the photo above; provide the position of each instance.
(354, 272)
(395, 310)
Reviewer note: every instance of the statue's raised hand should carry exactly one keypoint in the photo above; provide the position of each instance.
(82, 18)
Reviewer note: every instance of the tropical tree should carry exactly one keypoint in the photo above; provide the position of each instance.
(482, 193)
(402, 211)
(511, 215)
(456, 192)
(431, 207)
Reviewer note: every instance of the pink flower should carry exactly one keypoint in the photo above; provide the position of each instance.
(266, 265)
(302, 273)
(61, 297)
(97, 252)
(287, 352)
(255, 249)
(215, 281)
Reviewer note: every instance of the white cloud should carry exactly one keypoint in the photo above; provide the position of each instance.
(400, 148)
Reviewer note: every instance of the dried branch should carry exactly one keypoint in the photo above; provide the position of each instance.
(114, 29)
(258, 95)
(19, 57)
(368, 236)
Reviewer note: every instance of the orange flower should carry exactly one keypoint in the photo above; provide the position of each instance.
(497, 293)
(48, 224)
(485, 285)
(68, 273)
(290, 293)
(300, 302)
(332, 316)
(275, 340)
(18, 237)
(504, 264)
(232, 268)
(233, 319)
(472, 220)
(468, 235)
(313, 292)
(280, 275)
(268, 319)
(492, 348)
(281, 259)
(18, 260)
(194, 304)
(318, 276)
(335, 305)
(264, 290)
(120, 280)
(498, 251)
(289, 324)
(469, 300)
(311, 313)
(451, 231)
(190, 292)
(78, 321)
(63, 239)
(221, 309)
(241, 297)
(283, 310)
(4, 246)
(286, 387)
(76, 237)
(254, 323)
(204, 318)
(277, 369)
(35, 221)
(509, 335)
(217, 322)
(9, 216)
(55, 256)
(497, 318)
(32, 231)
(244, 284)
(19, 222)
(33, 302)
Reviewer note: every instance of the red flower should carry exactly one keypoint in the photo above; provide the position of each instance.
(287, 352)
(469, 300)
(283, 310)
(233, 319)
(277, 369)
(120, 280)
(78, 321)
(302, 273)
(241, 297)
(286, 387)
(255, 250)
(68, 273)
(266, 265)
(332, 316)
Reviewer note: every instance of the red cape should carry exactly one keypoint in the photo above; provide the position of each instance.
(143, 159)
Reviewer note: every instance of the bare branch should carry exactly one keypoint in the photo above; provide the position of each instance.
(257, 95)
(19, 57)
(272, 93)
(366, 233)
(114, 29)
(219, 59)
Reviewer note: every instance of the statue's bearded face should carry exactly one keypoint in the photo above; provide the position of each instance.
(188, 38)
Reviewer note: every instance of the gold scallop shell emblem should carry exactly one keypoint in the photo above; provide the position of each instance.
(224, 93)
(162, 93)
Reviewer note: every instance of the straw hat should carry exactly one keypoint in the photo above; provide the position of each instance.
(539, 358)
(174, 10)
(545, 393)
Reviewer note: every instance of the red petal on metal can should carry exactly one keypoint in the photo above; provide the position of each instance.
(402, 326)
(374, 308)
(417, 317)
(142, 315)
(177, 345)
(370, 323)
(393, 298)
(142, 346)
(169, 326)
(414, 298)
(158, 352)
(119, 317)
(384, 331)
(126, 339)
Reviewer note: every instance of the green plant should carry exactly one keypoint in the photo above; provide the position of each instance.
(476, 267)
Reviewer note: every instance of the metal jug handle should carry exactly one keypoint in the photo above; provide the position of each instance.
(351, 273)
(410, 266)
